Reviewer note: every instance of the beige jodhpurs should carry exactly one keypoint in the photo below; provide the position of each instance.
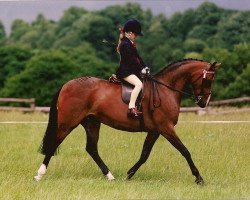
(134, 80)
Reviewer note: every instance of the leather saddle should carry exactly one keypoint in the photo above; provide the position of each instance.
(126, 89)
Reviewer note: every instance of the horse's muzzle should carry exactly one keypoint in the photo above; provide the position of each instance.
(203, 100)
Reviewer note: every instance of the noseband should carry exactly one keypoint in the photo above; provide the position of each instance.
(205, 83)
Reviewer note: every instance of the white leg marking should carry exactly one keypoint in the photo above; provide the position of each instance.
(110, 176)
(41, 171)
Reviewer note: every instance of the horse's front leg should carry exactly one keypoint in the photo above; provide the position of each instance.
(171, 136)
(147, 147)
(92, 127)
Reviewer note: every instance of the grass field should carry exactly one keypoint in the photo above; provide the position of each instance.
(220, 151)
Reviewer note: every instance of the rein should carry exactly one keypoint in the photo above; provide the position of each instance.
(191, 96)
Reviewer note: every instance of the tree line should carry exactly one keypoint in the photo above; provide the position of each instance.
(38, 57)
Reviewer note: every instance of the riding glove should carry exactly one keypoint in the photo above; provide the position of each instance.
(145, 71)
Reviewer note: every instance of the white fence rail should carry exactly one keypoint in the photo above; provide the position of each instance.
(197, 110)
(31, 103)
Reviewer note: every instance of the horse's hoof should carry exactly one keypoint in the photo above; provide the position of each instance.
(110, 176)
(130, 175)
(199, 181)
(37, 178)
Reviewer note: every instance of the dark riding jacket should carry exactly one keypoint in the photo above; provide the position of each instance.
(131, 62)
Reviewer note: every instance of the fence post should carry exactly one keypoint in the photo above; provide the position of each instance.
(201, 111)
(32, 104)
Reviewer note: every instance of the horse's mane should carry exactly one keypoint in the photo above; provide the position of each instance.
(177, 64)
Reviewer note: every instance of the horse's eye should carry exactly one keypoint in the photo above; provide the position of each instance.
(207, 83)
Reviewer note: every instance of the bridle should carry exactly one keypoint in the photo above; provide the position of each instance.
(205, 83)
(196, 98)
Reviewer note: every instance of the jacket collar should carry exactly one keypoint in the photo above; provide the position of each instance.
(128, 40)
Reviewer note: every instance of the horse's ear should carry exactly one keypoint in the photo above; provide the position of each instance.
(215, 66)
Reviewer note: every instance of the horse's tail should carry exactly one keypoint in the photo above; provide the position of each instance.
(49, 144)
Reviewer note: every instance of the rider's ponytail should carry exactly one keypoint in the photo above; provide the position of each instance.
(120, 39)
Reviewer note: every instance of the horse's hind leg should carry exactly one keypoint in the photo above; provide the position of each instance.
(147, 147)
(92, 127)
(171, 136)
(42, 169)
(62, 132)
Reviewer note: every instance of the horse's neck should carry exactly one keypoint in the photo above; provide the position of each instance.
(178, 77)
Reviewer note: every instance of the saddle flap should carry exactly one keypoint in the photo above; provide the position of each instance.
(126, 91)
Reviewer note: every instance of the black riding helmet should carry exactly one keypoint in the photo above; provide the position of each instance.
(133, 26)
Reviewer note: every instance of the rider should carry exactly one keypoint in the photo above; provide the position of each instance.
(131, 64)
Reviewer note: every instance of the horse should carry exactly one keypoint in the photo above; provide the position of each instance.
(90, 101)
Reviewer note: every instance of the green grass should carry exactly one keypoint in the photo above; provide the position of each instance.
(220, 151)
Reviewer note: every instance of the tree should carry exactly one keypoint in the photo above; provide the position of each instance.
(208, 13)
(243, 53)
(42, 77)
(181, 23)
(12, 61)
(194, 45)
(88, 63)
(163, 55)
(40, 34)
(235, 29)
(18, 29)
(69, 17)
(95, 28)
(91, 28)
(202, 32)
(240, 87)
(45, 32)
(194, 55)
(146, 45)
(48, 70)
(2, 34)
(227, 73)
